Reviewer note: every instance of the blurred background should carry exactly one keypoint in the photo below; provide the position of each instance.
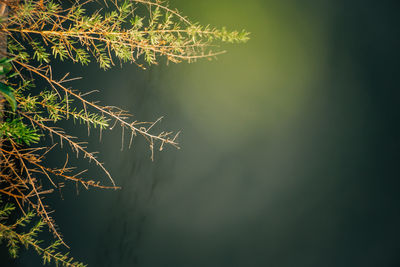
(290, 146)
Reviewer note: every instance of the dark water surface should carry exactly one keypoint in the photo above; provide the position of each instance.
(290, 147)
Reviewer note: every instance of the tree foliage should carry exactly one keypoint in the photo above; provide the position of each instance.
(40, 32)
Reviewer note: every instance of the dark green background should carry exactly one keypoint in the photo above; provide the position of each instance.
(290, 146)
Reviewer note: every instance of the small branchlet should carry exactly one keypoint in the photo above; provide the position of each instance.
(15, 238)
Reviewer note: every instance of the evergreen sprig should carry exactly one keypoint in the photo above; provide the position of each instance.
(19, 131)
(15, 238)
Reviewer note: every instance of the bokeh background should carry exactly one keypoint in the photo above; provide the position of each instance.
(290, 146)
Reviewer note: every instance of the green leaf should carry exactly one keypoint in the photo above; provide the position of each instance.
(5, 60)
(5, 66)
(8, 93)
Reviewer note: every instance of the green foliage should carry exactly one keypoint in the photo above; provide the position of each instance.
(8, 93)
(5, 90)
(5, 66)
(18, 131)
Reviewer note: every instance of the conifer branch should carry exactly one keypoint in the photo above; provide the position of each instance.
(39, 32)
